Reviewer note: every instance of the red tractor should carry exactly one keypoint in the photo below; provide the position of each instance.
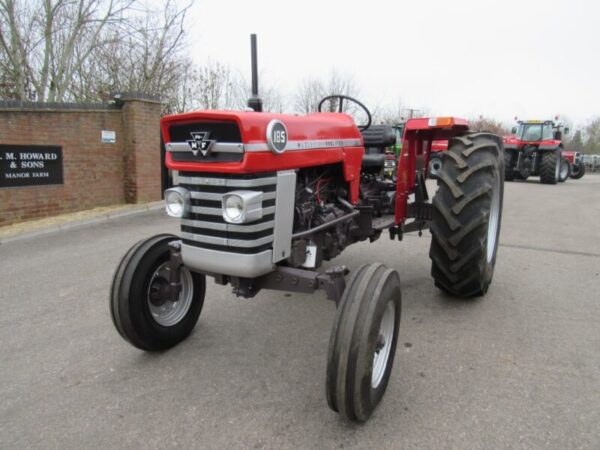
(535, 148)
(265, 199)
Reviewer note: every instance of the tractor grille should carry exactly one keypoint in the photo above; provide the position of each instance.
(205, 226)
(220, 132)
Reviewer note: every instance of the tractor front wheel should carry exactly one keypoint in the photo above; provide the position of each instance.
(467, 211)
(550, 167)
(140, 305)
(363, 342)
(578, 171)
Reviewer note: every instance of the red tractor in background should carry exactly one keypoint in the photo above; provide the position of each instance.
(264, 200)
(535, 148)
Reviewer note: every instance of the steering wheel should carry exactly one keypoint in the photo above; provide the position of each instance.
(341, 107)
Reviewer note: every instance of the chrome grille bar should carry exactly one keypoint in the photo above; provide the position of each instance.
(217, 197)
(225, 241)
(228, 182)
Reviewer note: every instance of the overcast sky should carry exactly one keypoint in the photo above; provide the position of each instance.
(532, 59)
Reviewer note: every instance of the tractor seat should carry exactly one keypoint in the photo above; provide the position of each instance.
(373, 160)
(379, 136)
(376, 139)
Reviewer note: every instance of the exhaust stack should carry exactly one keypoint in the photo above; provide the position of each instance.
(255, 101)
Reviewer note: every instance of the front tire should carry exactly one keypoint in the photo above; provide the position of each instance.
(363, 342)
(140, 309)
(578, 171)
(467, 211)
(550, 167)
(565, 170)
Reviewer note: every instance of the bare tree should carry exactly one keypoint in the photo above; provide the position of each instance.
(308, 95)
(273, 99)
(62, 50)
(45, 42)
(216, 87)
(312, 90)
(592, 137)
(575, 142)
(388, 114)
(486, 124)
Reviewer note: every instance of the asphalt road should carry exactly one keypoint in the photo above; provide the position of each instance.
(519, 368)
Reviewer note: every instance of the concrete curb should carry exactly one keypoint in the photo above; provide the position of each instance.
(83, 223)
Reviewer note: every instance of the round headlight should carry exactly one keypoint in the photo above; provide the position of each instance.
(176, 202)
(233, 208)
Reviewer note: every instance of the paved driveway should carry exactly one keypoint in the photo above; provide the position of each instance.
(518, 368)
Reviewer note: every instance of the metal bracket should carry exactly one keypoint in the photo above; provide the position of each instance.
(175, 263)
(420, 211)
(421, 194)
(295, 280)
(333, 282)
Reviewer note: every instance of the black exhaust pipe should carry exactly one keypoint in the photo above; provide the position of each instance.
(255, 101)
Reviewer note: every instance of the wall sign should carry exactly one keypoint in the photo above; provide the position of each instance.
(109, 137)
(30, 165)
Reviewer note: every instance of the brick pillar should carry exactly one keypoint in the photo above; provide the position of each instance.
(141, 148)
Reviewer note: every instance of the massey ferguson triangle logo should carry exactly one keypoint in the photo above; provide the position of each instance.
(200, 142)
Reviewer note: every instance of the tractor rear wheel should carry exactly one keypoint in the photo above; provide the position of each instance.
(550, 167)
(467, 211)
(363, 342)
(578, 171)
(140, 305)
(565, 170)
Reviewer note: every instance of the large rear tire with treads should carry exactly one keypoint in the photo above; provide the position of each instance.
(467, 211)
(550, 167)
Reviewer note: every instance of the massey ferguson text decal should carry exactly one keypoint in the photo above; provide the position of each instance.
(30, 165)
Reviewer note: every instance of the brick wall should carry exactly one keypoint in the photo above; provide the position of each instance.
(94, 173)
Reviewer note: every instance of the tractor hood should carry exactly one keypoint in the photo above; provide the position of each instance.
(250, 142)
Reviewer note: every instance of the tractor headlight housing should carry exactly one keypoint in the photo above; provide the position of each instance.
(242, 206)
(177, 202)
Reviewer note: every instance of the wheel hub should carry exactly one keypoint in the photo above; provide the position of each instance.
(380, 343)
(159, 291)
(163, 310)
(435, 166)
(381, 355)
